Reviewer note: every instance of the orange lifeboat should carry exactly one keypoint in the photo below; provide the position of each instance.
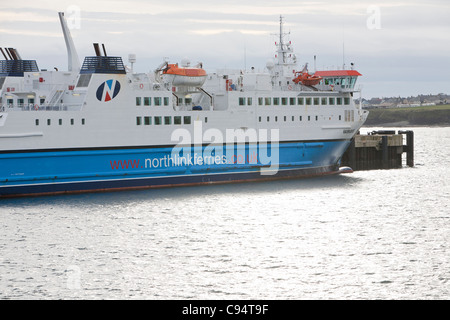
(180, 76)
(306, 79)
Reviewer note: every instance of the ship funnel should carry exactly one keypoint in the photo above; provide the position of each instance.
(73, 62)
(97, 50)
(6, 58)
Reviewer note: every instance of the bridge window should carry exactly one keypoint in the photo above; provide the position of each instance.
(177, 120)
(346, 101)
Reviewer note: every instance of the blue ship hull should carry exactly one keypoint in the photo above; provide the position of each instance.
(87, 170)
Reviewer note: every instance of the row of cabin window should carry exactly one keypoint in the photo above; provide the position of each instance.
(60, 122)
(147, 101)
(293, 101)
(167, 120)
(300, 118)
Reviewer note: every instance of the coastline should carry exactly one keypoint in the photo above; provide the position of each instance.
(433, 116)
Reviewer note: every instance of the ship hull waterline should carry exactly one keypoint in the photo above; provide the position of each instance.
(80, 171)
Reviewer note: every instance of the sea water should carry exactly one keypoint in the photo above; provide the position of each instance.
(381, 234)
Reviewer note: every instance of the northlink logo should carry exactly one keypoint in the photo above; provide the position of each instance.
(108, 90)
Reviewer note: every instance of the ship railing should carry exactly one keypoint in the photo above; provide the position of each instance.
(41, 107)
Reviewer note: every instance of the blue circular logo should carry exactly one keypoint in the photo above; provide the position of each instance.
(108, 90)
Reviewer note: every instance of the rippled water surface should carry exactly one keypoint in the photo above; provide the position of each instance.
(381, 234)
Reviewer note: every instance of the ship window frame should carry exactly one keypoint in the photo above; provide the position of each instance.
(292, 101)
(249, 101)
(147, 121)
(260, 101)
(157, 101)
(316, 101)
(36, 122)
(138, 101)
(177, 120)
(187, 120)
(323, 101)
(138, 121)
(83, 80)
(72, 122)
(83, 121)
(331, 101)
(157, 120)
(147, 101)
(284, 101)
(308, 101)
(267, 101)
(276, 101)
(166, 101)
(339, 101)
(167, 120)
(346, 101)
(300, 101)
(241, 101)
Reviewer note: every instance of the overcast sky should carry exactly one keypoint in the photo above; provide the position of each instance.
(402, 48)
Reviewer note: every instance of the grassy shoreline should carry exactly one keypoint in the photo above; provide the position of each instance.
(417, 116)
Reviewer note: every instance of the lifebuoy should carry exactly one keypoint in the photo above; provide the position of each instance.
(289, 87)
(141, 86)
(36, 107)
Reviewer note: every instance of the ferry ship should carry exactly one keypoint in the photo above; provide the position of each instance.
(100, 126)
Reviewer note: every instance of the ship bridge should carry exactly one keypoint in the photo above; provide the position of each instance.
(342, 80)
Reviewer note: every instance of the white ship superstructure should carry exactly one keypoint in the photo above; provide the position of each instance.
(101, 126)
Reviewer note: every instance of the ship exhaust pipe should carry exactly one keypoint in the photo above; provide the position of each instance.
(72, 56)
(97, 50)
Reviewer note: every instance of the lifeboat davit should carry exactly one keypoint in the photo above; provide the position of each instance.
(307, 79)
(184, 76)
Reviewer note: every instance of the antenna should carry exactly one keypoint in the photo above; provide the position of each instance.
(245, 56)
(343, 48)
